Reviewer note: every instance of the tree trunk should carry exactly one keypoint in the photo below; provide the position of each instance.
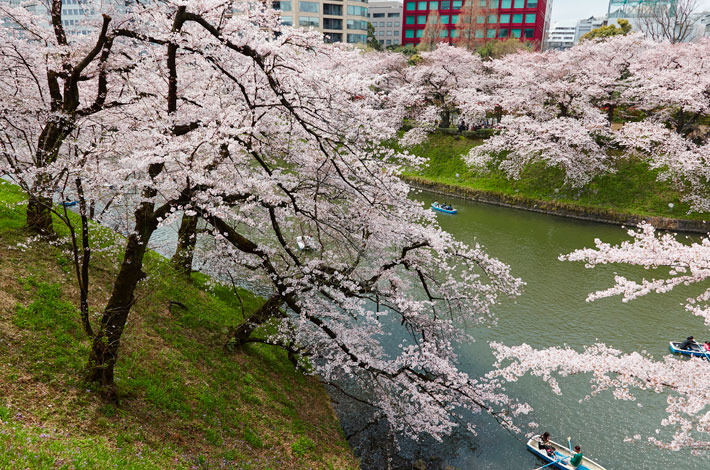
(445, 119)
(187, 238)
(270, 309)
(107, 339)
(39, 217)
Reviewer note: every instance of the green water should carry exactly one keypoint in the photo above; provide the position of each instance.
(553, 311)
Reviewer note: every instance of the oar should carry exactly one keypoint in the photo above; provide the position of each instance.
(702, 350)
(551, 463)
(569, 442)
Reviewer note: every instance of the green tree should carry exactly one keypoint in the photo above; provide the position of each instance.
(498, 49)
(608, 31)
(371, 39)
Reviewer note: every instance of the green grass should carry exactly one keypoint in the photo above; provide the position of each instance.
(633, 189)
(184, 401)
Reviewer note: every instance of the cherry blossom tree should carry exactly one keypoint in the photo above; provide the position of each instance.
(434, 90)
(274, 142)
(553, 103)
(52, 83)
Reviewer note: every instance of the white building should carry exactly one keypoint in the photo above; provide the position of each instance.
(386, 17)
(561, 35)
(586, 25)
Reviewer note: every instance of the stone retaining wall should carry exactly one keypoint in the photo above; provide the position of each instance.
(562, 209)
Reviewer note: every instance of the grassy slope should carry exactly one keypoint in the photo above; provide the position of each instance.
(634, 189)
(185, 403)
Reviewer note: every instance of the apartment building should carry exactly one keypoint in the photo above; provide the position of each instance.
(387, 19)
(561, 35)
(338, 20)
(526, 20)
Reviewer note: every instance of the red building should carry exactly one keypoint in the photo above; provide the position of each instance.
(523, 19)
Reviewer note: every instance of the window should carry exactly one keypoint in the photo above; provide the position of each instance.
(334, 37)
(411, 5)
(357, 24)
(388, 42)
(505, 18)
(515, 33)
(518, 18)
(491, 33)
(421, 19)
(454, 19)
(444, 33)
(506, 3)
(420, 32)
(519, 4)
(392, 15)
(445, 6)
(480, 19)
(378, 15)
(530, 18)
(502, 33)
(382, 24)
(287, 20)
(444, 19)
(396, 24)
(309, 7)
(456, 4)
(283, 6)
(493, 19)
(532, 3)
(410, 19)
(395, 41)
(389, 24)
(454, 33)
(422, 5)
(433, 5)
(357, 11)
(479, 33)
(355, 38)
(329, 9)
(380, 33)
(389, 33)
(409, 34)
(396, 33)
(332, 23)
(529, 33)
(493, 3)
(313, 21)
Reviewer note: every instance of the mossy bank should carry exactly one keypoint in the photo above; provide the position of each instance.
(185, 403)
(629, 196)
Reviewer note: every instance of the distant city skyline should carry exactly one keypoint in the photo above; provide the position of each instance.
(565, 10)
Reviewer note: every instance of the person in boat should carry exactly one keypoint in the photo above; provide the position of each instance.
(688, 343)
(576, 459)
(543, 443)
(707, 346)
(436, 203)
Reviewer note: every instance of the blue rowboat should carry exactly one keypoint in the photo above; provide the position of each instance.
(437, 207)
(561, 457)
(696, 350)
(69, 203)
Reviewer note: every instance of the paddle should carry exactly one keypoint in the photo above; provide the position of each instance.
(551, 463)
(702, 350)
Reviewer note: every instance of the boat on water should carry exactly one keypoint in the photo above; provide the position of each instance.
(69, 203)
(561, 457)
(696, 350)
(443, 208)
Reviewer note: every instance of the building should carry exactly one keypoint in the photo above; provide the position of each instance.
(386, 17)
(338, 20)
(586, 25)
(561, 35)
(527, 20)
(78, 17)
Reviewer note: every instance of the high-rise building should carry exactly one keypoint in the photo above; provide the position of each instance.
(338, 20)
(526, 20)
(386, 17)
(635, 8)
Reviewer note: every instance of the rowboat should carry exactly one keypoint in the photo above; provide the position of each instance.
(438, 207)
(561, 457)
(696, 350)
(69, 203)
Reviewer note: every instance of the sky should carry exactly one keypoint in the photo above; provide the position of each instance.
(577, 9)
